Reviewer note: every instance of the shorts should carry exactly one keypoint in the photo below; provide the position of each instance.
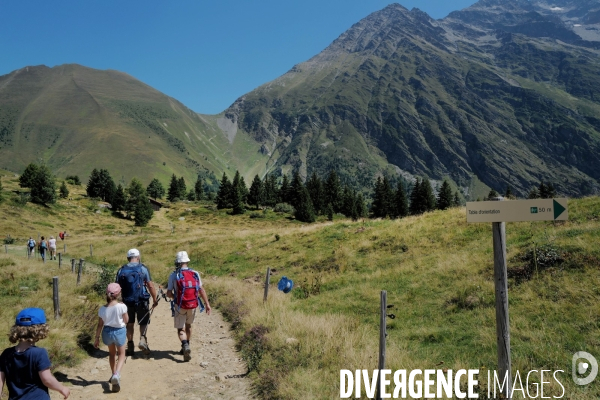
(116, 336)
(141, 309)
(183, 317)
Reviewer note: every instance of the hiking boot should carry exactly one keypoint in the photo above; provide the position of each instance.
(143, 346)
(115, 381)
(130, 349)
(187, 352)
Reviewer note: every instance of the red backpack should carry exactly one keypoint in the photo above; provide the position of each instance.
(188, 288)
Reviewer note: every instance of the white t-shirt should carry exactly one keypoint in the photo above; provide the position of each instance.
(113, 315)
(52, 243)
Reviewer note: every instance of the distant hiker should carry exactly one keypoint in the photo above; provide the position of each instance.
(184, 287)
(137, 287)
(30, 245)
(42, 247)
(25, 368)
(52, 246)
(61, 235)
(111, 322)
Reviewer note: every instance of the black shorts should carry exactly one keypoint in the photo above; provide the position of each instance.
(141, 309)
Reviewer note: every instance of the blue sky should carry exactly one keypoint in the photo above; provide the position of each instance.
(203, 53)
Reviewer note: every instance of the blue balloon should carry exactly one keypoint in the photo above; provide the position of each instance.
(285, 284)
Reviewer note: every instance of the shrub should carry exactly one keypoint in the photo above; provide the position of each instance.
(9, 240)
(284, 208)
(256, 214)
(106, 276)
(253, 345)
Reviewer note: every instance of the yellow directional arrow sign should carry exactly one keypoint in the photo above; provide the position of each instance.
(518, 210)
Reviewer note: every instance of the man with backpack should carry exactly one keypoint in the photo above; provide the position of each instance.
(184, 288)
(136, 289)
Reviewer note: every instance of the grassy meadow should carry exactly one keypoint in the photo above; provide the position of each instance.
(436, 269)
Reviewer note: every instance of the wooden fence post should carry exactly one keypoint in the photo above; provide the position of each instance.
(72, 265)
(28, 252)
(79, 271)
(65, 248)
(6, 248)
(267, 280)
(382, 336)
(91, 250)
(55, 297)
(59, 260)
(502, 322)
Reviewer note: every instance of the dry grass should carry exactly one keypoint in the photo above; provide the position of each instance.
(436, 269)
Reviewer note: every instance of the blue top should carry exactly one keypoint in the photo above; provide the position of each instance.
(145, 273)
(22, 372)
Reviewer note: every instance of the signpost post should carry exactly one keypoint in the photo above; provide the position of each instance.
(498, 213)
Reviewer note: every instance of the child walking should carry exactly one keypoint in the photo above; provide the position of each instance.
(25, 368)
(112, 322)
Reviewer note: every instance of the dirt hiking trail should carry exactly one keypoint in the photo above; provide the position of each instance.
(213, 372)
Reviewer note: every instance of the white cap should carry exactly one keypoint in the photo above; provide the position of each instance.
(133, 253)
(182, 257)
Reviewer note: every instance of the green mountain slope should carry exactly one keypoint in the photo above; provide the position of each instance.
(441, 98)
(75, 119)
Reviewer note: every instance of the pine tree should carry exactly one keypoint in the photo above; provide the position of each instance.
(44, 187)
(361, 207)
(508, 193)
(237, 194)
(329, 212)
(492, 195)
(29, 176)
(348, 202)
(400, 202)
(155, 189)
(181, 188)
(173, 192)
(119, 199)
(270, 195)
(416, 206)
(427, 195)
(191, 195)
(143, 210)
(295, 188)
(550, 191)
(255, 196)
(444, 199)
(135, 192)
(223, 199)
(244, 190)
(284, 190)
(377, 207)
(315, 190)
(456, 202)
(63, 190)
(93, 187)
(333, 191)
(533, 194)
(304, 210)
(199, 189)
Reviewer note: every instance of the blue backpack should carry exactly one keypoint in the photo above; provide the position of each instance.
(131, 280)
(31, 243)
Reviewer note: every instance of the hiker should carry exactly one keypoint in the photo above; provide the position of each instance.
(62, 235)
(25, 368)
(112, 319)
(42, 247)
(137, 287)
(184, 287)
(52, 246)
(30, 245)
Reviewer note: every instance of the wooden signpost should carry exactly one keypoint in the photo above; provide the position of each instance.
(498, 213)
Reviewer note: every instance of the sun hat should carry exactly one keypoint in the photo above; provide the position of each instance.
(133, 253)
(285, 284)
(113, 288)
(30, 316)
(182, 257)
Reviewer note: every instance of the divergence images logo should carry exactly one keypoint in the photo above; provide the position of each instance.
(583, 366)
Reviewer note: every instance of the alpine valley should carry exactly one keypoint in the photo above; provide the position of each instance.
(503, 93)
